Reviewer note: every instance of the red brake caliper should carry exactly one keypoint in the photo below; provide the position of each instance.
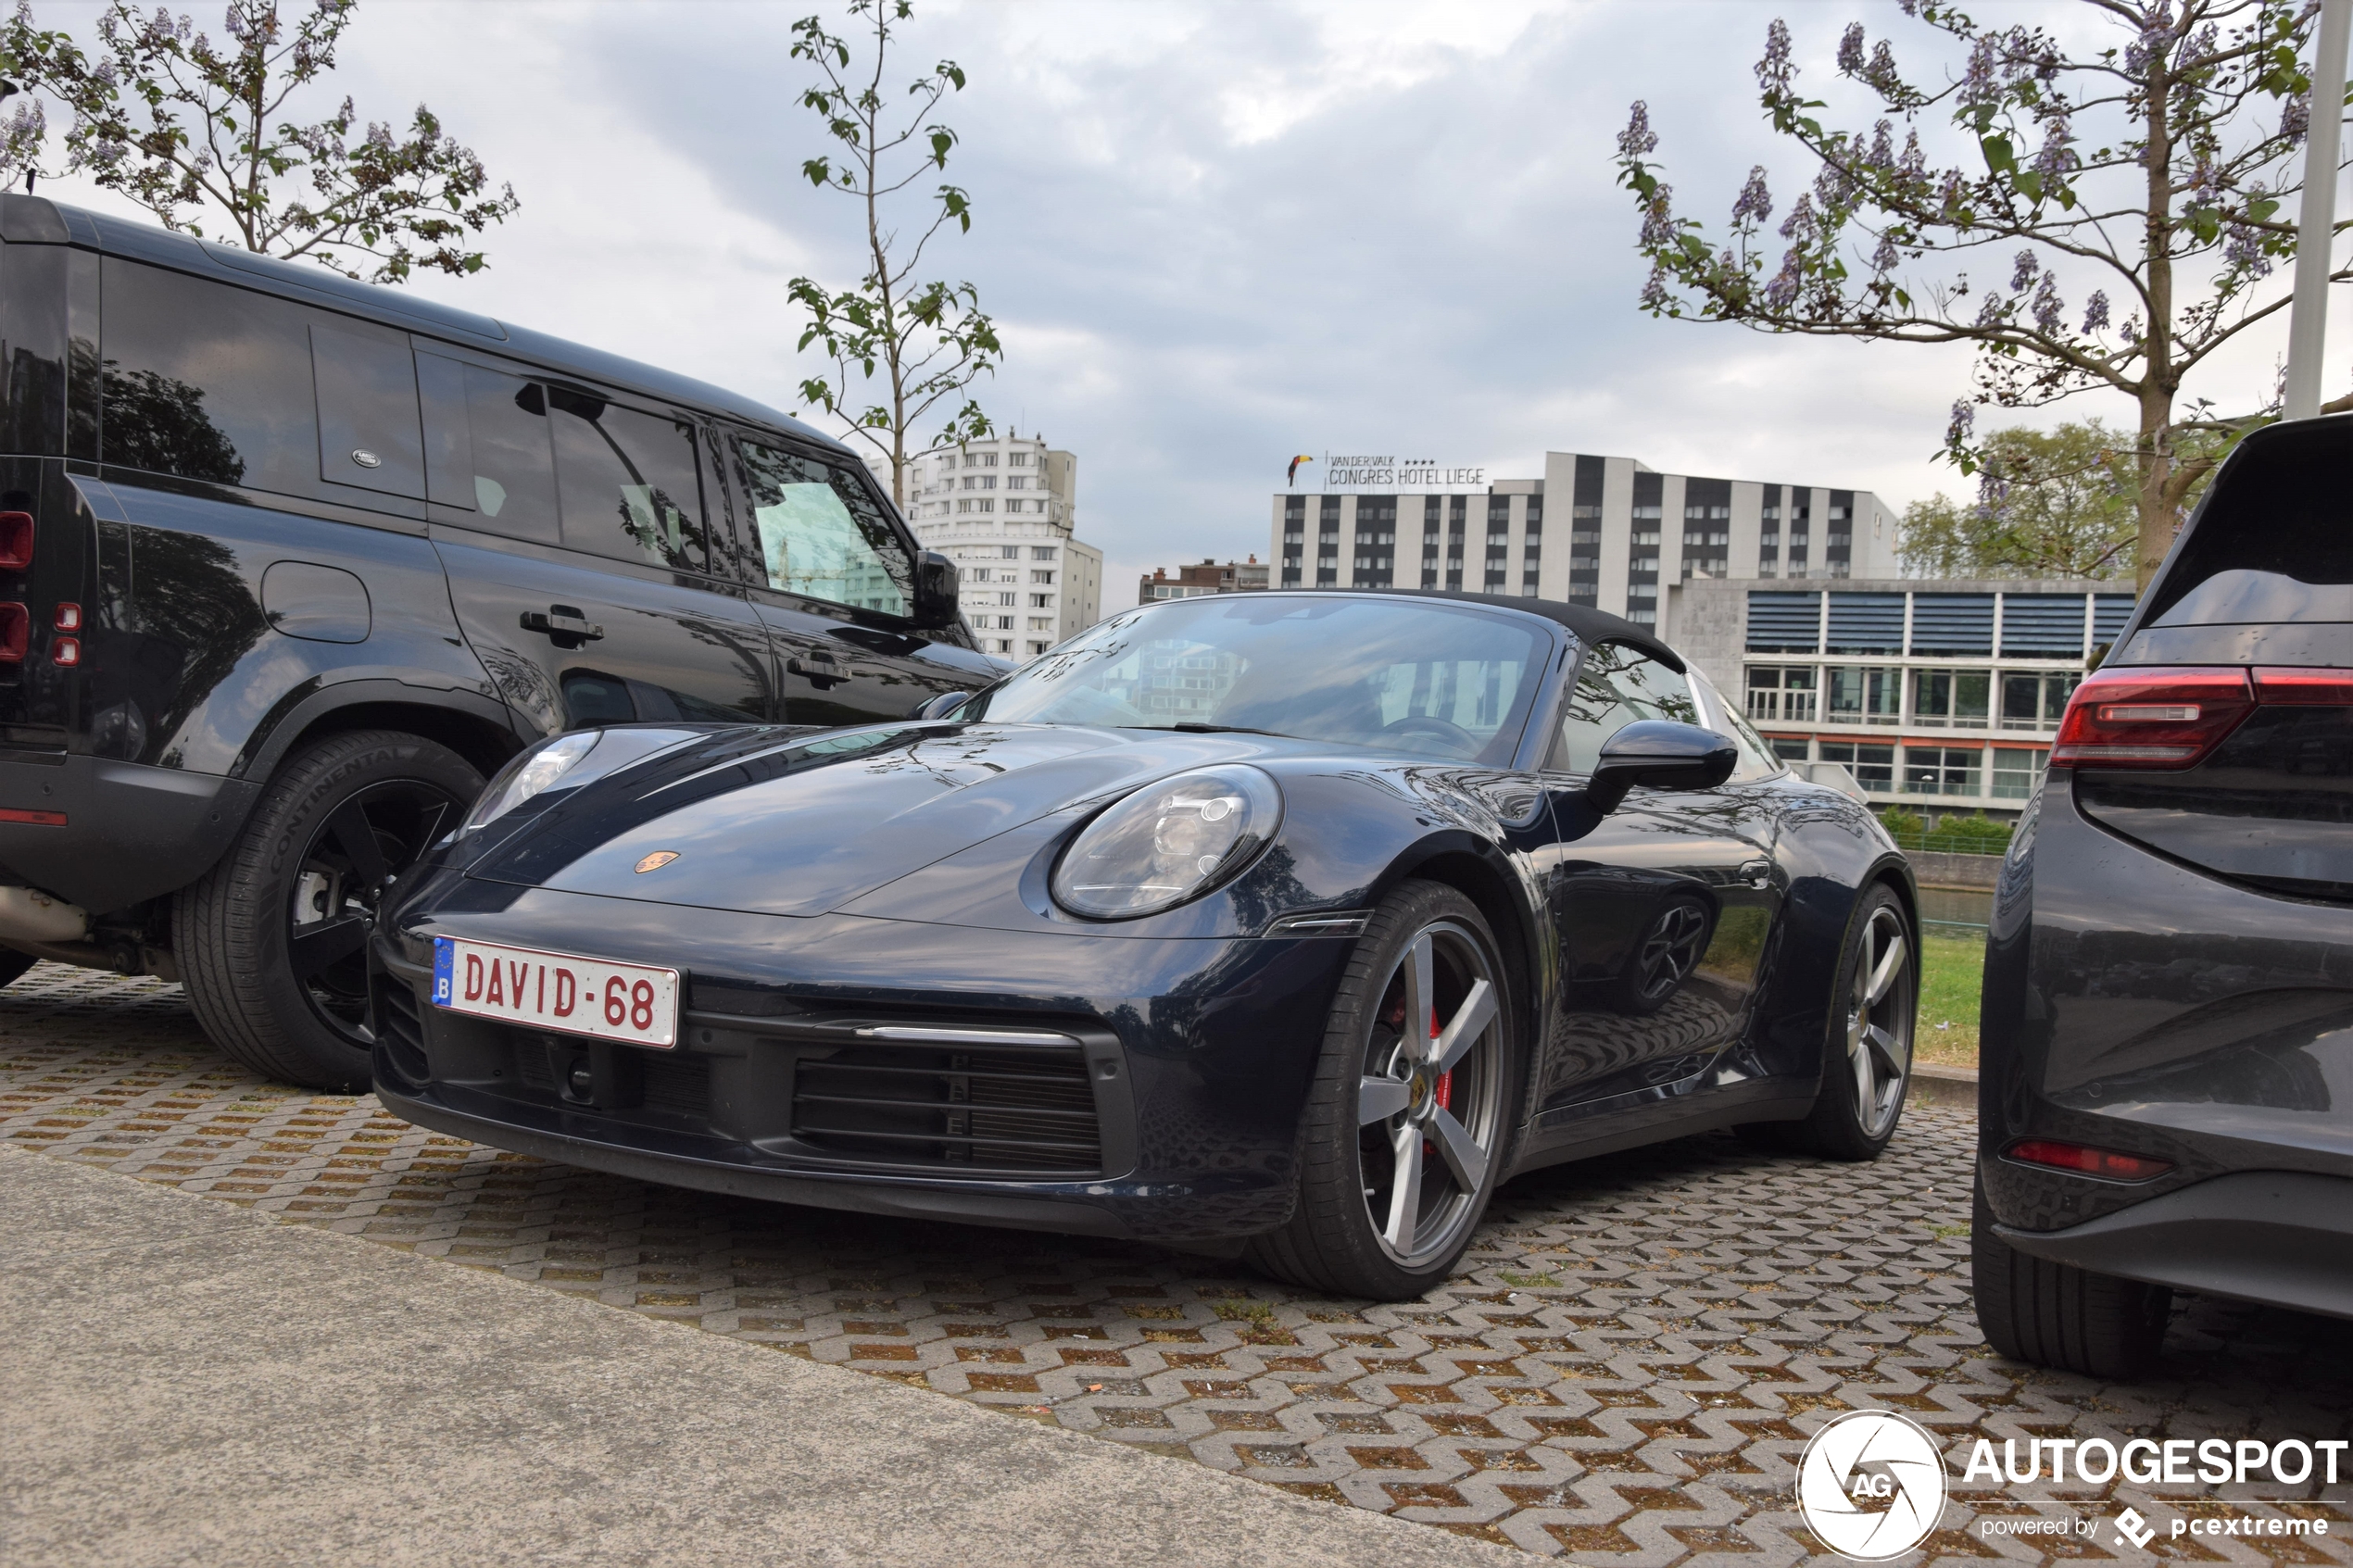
(1445, 1079)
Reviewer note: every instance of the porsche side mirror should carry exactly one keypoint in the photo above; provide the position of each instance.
(935, 591)
(941, 705)
(1659, 753)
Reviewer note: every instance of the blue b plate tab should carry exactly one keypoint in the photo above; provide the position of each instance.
(443, 958)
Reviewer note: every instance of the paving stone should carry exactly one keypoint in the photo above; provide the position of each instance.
(1624, 1368)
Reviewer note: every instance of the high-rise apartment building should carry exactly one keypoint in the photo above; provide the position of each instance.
(1005, 510)
(1605, 531)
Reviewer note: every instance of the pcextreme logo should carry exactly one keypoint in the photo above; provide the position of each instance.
(1870, 1486)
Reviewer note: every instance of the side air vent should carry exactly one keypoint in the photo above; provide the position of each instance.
(961, 1106)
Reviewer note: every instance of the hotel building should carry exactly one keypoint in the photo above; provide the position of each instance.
(1936, 695)
(1005, 510)
(1600, 530)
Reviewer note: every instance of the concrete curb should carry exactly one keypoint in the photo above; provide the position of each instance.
(195, 1384)
(1952, 1087)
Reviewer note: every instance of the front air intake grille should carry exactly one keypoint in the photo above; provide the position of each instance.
(399, 1028)
(979, 1109)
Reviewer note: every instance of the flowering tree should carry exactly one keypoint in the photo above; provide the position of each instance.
(927, 341)
(185, 127)
(2151, 175)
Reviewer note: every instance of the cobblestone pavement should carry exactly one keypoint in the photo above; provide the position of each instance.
(1625, 1369)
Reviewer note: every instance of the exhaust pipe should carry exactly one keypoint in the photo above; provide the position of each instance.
(28, 915)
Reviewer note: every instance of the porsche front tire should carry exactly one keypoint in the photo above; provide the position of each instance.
(1407, 1123)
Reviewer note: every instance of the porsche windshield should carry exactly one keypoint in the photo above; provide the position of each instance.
(1424, 676)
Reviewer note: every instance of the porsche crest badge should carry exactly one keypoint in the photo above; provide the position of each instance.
(656, 860)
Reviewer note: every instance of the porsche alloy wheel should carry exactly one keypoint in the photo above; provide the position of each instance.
(1879, 1022)
(1406, 1126)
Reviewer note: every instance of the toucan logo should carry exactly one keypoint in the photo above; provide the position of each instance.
(1292, 476)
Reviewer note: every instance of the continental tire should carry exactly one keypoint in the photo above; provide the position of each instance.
(1408, 1121)
(2051, 1315)
(271, 943)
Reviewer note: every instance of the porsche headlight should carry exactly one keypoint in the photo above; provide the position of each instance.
(528, 773)
(1167, 842)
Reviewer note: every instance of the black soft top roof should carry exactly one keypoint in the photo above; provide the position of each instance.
(1589, 625)
(38, 221)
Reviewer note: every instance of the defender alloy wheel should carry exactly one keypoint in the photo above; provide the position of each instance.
(273, 941)
(1407, 1121)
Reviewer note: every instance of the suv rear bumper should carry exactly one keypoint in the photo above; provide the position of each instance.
(133, 832)
(2280, 1238)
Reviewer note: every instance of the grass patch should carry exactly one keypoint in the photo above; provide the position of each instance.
(1529, 1282)
(1953, 968)
(1244, 1312)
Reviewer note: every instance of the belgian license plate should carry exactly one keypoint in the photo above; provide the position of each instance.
(562, 991)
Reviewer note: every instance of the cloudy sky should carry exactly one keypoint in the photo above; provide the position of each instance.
(1213, 234)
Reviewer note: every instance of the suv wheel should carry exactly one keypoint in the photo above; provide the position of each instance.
(2053, 1315)
(273, 942)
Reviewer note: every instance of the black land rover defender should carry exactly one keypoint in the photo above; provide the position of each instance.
(289, 564)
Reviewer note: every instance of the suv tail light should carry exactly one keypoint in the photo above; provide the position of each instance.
(15, 632)
(2316, 688)
(2106, 1163)
(2151, 718)
(16, 541)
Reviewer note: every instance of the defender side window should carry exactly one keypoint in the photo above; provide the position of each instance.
(206, 382)
(630, 483)
(496, 458)
(820, 533)
(1616, 686)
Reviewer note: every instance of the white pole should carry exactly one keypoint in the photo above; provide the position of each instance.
(2316, 225)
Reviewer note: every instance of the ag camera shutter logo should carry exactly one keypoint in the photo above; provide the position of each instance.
(1870, 1486)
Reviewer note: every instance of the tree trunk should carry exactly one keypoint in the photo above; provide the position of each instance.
(2157, 509)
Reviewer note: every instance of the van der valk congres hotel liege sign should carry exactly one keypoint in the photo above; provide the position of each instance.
(1362, 471)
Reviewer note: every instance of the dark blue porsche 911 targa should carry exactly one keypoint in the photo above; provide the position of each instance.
(1290, 920)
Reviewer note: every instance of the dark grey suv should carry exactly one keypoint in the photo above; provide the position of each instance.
(2166, 1095)
(288, 565)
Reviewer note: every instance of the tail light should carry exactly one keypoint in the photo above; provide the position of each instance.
(16, 631)
(16, 541)
(2157, 717)
(2084, 1160)
(2317, 688)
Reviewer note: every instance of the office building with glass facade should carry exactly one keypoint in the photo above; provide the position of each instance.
(1606, 531)
(1939, 696)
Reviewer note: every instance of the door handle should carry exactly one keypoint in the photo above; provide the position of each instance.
(1757, 874)
(563, 623)
(821, 669)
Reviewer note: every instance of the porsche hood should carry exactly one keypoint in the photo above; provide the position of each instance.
(802, 825)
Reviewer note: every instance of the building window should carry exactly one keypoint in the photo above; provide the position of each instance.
(1793, 748)
(1950, 699)
(1009, 552)
(1873, 766)
(1941, 769)
(1780, 694)
(2035, 701)
(1041, 601)
(1861, 695)
(2017, 771)
(1041, 577)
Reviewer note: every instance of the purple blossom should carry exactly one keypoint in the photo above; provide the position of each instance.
(1658, 219)
(1882, 151)
(2049, 310)
(1833, 187)
(1882, 74)
(1977, 80)
(2242, 248)
(2295, 120)
(1912, 168)
(2096, 312)
(1655, 296)
(233, 24)
(1963, 424)
(1783, 290)
(2057, 159)
(2022, 276)
(1800, 224)
(1850, 50)
(1638, 139)
(1774, 72)
(1756, 203)
(1994, 311)
(1884, 258)
(1951, 194)
(2157, 37)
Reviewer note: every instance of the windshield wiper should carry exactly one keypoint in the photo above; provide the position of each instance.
(1194, 726)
